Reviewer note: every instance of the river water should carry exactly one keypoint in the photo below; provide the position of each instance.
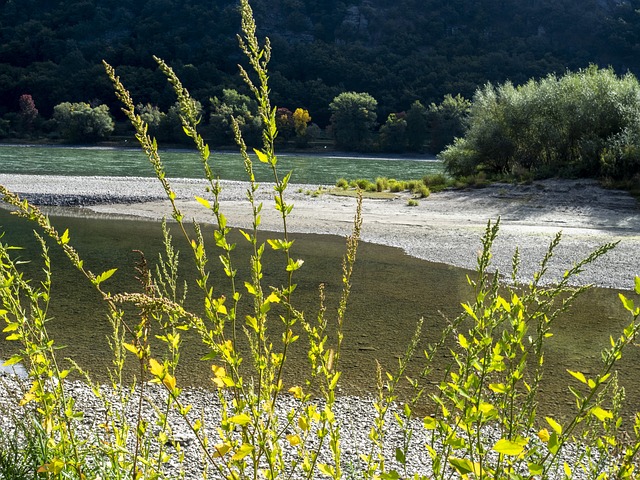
(308, 168)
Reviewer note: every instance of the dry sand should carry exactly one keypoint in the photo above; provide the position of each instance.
(446, 227)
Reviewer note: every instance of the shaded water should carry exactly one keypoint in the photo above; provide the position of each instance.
(314, 169)
(391, 292)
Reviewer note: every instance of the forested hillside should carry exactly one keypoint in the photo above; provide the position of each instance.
(397, 51)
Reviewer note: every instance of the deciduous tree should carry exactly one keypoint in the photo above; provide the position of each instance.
(353, 117)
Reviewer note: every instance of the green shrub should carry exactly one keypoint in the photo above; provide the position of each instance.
(342, 183)
(412, 202)
(581, 124)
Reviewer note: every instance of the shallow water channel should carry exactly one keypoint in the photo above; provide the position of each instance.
(391, 292)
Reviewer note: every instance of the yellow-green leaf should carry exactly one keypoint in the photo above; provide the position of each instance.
(241, 419)
(601, 414)
(326, 469)
(508, 447)
(555, 425)
(463, 341)
(244, 450)
(627, 302)
(261, 156)
(296, 391)
(578, 375)
(430, 423)
(65, 237)
(155, 368)
(221, 449)
(294, 440)
(204, 202)
(105, 275)
(498, 387)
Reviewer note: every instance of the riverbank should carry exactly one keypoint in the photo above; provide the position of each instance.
(446, 227)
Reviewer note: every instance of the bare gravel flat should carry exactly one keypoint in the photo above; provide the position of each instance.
(445, 227)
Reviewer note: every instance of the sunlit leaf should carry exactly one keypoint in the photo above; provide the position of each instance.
(221, 449)
(241, 419)
(204, 202)
(578, 375)
(555, 425)
(244, 450)
(105, 275)
(508, 447)
(601, 414)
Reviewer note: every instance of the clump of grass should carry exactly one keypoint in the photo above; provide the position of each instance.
(342, 183)
(412, 202)
(382, 184)
(422, 190)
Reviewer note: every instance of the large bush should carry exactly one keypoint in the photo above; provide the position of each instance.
(80, 122)
(581, 124)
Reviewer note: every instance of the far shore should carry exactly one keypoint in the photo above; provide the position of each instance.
(445, 227)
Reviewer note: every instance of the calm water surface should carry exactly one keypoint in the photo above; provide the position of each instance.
(315, 169)
(391, 292)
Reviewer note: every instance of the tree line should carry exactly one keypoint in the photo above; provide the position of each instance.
(353, 123)
(398, 52)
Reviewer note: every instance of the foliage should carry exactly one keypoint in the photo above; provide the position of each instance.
(580, 124)
(393, 134)
(28, 112)
(353, 116)
(80, 122)
(234, 107)
(301, 119)
(417, 126)
(447, 121)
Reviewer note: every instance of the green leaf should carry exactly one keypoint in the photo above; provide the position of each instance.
(469, 311)
(250, 288)
(105, 275)
(637, 282)
(326, 469)
(508, 447)
(578, 375)
(65, 237)
(498, 387)
(12, 361)
(463, 341)
(400, 456)
(462, 465)
(535, 469)
(429, 423)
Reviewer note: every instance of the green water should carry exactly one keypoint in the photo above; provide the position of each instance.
(391, 292)
(315, 169)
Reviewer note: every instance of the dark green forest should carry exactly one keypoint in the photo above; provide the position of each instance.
(397, 51)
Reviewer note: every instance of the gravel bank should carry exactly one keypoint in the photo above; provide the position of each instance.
(445, 228)
(354, 415)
